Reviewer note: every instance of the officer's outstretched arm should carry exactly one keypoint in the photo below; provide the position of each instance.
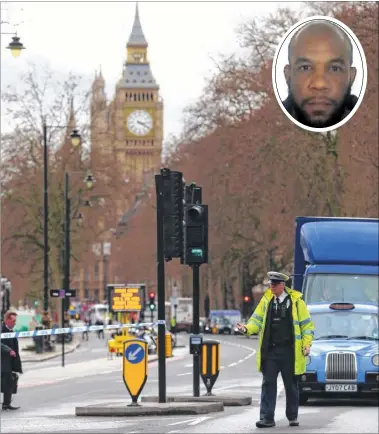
(254, 325)
(306, 324)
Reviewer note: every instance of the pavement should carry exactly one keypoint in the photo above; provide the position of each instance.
(32, 356)
(49, 394)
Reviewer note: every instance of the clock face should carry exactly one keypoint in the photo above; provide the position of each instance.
(139, 122)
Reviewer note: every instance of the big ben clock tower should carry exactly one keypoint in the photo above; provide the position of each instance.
(139, 110)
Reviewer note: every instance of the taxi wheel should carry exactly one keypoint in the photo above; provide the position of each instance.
(303, 399)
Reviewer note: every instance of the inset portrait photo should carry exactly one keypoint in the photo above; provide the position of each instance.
(319, 74)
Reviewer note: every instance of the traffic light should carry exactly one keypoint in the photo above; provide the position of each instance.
(195, 249)
(152, 301)
(173, 198)
(246, 308)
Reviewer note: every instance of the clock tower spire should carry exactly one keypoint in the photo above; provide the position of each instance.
(139, 106)
(136, 47)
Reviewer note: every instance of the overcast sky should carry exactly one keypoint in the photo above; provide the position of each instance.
(81, 36)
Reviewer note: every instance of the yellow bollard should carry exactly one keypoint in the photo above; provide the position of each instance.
(168, 345)
(210, 364)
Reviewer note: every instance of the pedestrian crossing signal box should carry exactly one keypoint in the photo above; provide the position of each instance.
(210, 364)
(195, 344)
(134, 367)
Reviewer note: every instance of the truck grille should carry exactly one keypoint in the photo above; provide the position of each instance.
(341, 366)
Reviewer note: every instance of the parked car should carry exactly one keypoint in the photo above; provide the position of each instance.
(344, 359)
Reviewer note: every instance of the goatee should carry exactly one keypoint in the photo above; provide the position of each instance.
(346, 105)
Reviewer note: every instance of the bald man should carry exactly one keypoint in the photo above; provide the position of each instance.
(319, 75)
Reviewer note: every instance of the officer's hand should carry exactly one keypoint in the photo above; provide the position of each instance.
(241, 328)
(12, 353)
(306, 350)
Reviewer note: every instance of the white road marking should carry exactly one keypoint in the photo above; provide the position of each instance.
(186, 373)
(191, 422)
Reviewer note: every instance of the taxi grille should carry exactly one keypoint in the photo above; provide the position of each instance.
(341, 366)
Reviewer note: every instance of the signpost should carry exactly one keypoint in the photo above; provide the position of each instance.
(63, 295)
(134, 367)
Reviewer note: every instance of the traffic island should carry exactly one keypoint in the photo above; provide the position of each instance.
(149, 409)
(227, 401)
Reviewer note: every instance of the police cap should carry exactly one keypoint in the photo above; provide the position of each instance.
(275, 277)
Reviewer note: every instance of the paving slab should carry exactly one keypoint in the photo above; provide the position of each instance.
(149, 409)
(32, 356)
(227, 400)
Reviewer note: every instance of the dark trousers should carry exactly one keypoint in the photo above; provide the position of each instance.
(6, 386)
(279, 359)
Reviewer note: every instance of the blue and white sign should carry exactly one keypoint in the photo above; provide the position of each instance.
(135, 353)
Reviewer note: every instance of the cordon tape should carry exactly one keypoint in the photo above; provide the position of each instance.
(61, 331)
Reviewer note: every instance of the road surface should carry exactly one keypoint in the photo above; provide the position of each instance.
(48, 395)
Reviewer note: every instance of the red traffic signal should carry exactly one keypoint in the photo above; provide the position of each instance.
(246, 299)
(151, 294)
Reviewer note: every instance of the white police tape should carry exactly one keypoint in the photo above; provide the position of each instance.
(61, 331)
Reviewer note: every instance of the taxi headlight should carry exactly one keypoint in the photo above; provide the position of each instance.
(375, 360)
(308, 360)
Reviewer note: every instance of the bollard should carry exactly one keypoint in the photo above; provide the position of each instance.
(168, 345)
(134, 367)
(210, 364)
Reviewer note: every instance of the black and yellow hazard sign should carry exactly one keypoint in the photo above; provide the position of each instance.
(125, 298)
(210, 364)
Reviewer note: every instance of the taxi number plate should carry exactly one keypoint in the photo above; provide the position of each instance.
(341, 388)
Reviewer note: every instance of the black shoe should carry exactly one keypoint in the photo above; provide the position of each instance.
(264, 423)
(294, 422)
(10, 407)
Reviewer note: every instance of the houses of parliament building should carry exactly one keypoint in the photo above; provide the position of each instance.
(130, 126)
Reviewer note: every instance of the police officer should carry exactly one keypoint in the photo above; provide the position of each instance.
(285, 336)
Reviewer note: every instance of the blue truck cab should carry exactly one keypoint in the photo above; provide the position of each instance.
(337, 259)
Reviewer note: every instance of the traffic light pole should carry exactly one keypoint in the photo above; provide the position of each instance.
(161, 292)
(196, 327)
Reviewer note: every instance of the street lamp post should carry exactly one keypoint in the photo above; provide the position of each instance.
(75, 141)
(89, 180)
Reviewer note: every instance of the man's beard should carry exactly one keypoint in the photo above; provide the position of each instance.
(336, 116)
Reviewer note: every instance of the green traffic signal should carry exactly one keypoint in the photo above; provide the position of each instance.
(152, 306)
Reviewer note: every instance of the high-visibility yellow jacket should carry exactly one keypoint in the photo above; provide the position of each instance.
(303, 327)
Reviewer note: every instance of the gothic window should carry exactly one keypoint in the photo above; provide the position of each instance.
(135, 97)
(152, 143)
(86, 293)
(134, 81)
(145, 72)
(138, 73)
(130, 97)
(96, 294)
(152, 97)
